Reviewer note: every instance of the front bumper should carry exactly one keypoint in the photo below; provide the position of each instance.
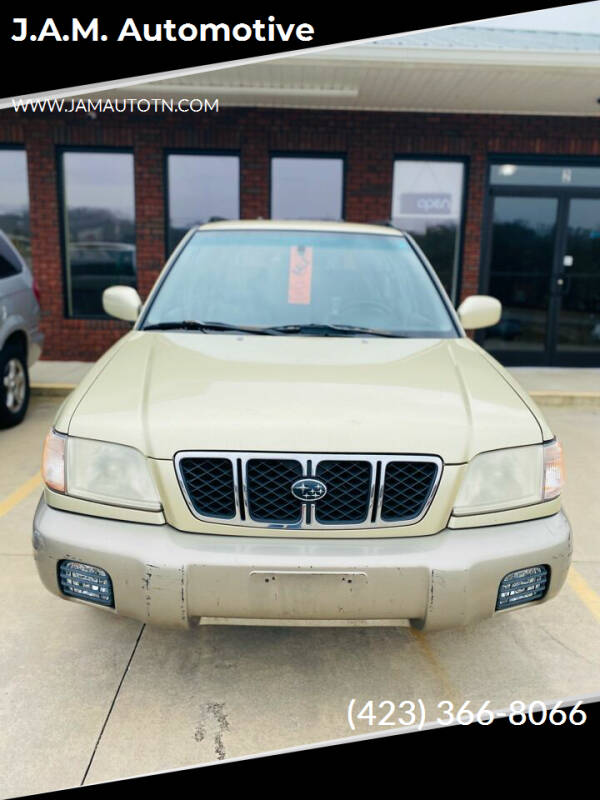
(163, 576)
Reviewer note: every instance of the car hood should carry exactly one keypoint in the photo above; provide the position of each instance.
(163, 392)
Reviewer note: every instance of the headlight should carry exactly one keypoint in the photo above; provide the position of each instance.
(504, 479)
(98, 471)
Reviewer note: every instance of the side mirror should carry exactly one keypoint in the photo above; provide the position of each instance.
(122, 302)
(479, 311)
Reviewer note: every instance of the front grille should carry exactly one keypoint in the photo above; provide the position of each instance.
(256, 488)
(407, 486)
(209, 484)
(348, 492)
(269, 495)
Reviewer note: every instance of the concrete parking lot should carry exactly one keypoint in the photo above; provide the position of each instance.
(87, 697)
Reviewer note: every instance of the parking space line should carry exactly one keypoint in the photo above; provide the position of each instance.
(584, 592)
(19, 494)
(450, 693)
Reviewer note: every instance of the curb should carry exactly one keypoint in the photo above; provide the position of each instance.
(52, 389)
(543, 398)
(562, 398)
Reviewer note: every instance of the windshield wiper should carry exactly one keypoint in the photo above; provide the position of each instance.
(328, 329)
(195, 325)
(332, 328)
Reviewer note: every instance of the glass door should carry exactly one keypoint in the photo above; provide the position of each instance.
(542, 261)
(521, 270)
(577, 284)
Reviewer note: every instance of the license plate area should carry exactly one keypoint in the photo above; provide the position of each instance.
(311, 579)
(309, 594)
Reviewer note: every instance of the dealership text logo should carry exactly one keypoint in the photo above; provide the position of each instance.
(425, 203)
(257, 30)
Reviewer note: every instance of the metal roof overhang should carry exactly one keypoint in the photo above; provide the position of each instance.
(384, 77)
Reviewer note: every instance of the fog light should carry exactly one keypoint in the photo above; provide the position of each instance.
(86, 582)
(522, 586)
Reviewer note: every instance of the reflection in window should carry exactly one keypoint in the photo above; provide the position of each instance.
(427, 198)
(98, 196)
(307, 188)
(579, 321)
(523, 235)
(14, 199)
(565, 175)
(200, 188)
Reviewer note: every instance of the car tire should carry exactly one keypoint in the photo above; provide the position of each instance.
(14, 386)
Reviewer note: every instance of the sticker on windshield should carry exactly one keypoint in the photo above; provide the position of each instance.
(300, 275)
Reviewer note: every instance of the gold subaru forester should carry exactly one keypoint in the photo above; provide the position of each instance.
(297, 429)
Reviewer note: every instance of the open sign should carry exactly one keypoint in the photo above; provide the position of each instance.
(425, 203)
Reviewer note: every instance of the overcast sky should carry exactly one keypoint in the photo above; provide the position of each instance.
(580, 18)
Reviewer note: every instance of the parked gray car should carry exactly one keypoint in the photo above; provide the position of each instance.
(20, 337)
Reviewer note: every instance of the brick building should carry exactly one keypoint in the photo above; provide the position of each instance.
(484, 144)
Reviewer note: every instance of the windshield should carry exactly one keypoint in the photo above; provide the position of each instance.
(316, 282)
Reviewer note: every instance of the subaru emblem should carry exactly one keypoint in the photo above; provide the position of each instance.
(309, 490)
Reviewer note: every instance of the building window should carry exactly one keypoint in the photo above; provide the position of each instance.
(559, 175)
(201, 187)
(427, 202)
(14, 199)
(307, 188)
(99, 218)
